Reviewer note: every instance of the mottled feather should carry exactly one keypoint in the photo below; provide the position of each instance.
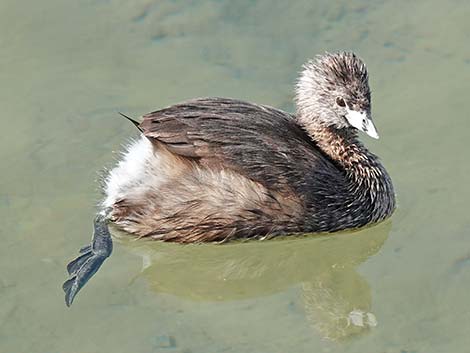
(263, 143)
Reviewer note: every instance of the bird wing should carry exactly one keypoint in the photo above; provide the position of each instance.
(262, 143)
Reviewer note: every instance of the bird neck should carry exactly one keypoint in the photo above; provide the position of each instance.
(344, 148)
(369, 186)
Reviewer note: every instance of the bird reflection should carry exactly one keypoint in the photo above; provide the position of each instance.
(336, 299)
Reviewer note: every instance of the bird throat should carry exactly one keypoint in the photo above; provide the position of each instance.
(369, 181)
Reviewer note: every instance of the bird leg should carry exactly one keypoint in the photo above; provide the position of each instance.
(90, 259)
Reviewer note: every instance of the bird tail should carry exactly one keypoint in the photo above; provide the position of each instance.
(136, 123)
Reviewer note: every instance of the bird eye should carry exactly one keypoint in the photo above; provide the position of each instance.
(340, 101)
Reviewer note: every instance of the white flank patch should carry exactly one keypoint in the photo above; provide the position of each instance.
(131, 172)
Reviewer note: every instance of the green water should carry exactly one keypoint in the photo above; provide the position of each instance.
(67, 67)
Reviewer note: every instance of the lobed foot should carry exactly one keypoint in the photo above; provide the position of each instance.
(90, 259)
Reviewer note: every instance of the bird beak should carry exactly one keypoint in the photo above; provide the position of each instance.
(362, 121)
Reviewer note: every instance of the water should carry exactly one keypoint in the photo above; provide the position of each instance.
(68, 67)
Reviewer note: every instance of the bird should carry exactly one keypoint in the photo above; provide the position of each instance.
(218, 169)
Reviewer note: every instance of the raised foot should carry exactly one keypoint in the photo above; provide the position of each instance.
(90, 259)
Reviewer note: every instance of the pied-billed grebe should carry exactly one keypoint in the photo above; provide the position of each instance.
(216, 169)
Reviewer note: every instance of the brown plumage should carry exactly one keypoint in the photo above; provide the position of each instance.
(197, 203)
(215, 169)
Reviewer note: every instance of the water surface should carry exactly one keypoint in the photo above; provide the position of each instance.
(68, 67)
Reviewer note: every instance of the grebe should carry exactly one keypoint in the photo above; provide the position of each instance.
(216, 169)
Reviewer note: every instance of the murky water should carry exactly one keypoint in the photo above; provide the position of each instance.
(67, 67)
